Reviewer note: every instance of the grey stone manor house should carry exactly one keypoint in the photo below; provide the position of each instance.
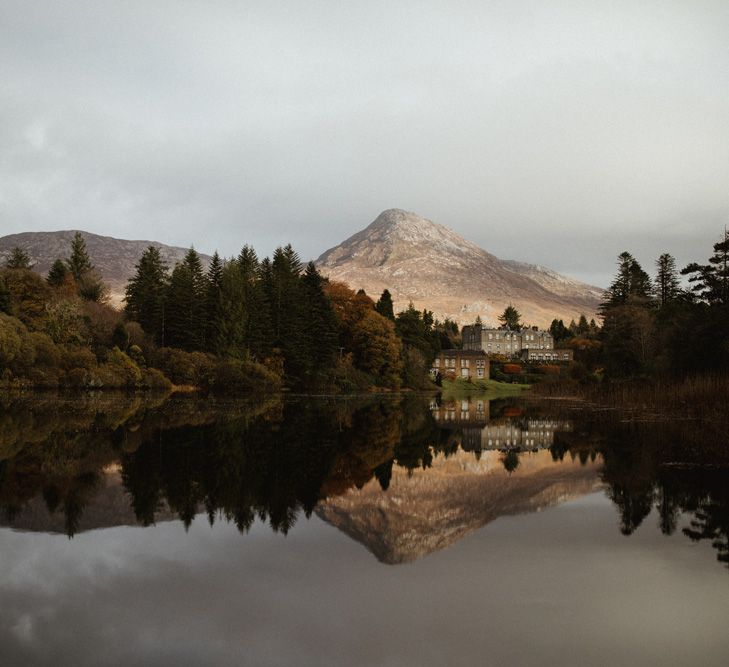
(530, 344)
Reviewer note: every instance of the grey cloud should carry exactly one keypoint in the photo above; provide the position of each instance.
(558, 133)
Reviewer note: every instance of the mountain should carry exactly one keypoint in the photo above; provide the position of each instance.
(114, 258)
(424, 511)
(421, 261)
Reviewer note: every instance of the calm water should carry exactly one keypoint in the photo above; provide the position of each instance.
(397, 531)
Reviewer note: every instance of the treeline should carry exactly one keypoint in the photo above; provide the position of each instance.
(657, 326)
(239, 324)
(283, 315)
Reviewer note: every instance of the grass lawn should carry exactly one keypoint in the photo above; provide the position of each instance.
(458, 387)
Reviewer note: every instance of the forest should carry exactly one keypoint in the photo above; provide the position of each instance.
(241, 324)
(674, 325)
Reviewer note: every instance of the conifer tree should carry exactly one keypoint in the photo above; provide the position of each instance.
(320, 330)
(511, 318)
(88, 282)
(18, 259)
(79, 262)
(213, 305)
(230, 336)
(145, 294)
(185, 309)
(710, 282)
(384, 305)
(5, 303)
(667, 285)
(57, 273)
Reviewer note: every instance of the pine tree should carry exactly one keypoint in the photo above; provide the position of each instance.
(213, 304)
(79, 262)
(57, 273)
(320, 332)
(710, 282)
(632, 283)
(384, 305)
(89, 284)
(5, 302)
(666, 285)
(510, 318)
(230, 336)
(18, 259)
(185, 304)
(145, 294)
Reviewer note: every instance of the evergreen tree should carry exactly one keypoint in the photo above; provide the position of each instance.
(384, 305)
(257, 333)
(710, 282)
(79, 262)
(582, 326)
(631, 283)
(18, 259)
(145, 294)
(667, 285)
(213, 304)
(185, 304)
(287, 311)
(5, 302)
(88, 283)
(230, 336)
(510, 318)
(320, 332)
(57, 273)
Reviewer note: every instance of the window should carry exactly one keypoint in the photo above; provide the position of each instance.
(479, 372)
(436, 363)
(464, 363)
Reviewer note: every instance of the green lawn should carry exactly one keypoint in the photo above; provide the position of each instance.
(459, 387)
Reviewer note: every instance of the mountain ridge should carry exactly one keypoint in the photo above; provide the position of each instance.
(114, 258)
(429, 264)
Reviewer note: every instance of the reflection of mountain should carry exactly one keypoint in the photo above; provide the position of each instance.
(110, 506)
(434, 508)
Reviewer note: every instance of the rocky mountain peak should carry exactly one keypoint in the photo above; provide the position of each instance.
(430, 265)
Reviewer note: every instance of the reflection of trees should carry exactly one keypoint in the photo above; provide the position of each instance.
(274, 460)
(510, 460)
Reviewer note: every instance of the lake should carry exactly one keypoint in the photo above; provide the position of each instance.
(396, 530)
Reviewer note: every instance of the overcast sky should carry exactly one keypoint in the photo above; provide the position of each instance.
(554, 132)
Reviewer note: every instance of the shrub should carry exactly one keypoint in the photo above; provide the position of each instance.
(237, 375)
(46, 352)
(155, 379)
(512, 369)
(77, 357)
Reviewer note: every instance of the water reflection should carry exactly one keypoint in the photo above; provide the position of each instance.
(403, 475)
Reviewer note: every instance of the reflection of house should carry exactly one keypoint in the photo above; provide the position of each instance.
(461, 412)
(514, 434)
(467, 364)
(511, 343)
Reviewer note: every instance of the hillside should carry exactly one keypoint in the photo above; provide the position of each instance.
(114, 258)
(435, 268)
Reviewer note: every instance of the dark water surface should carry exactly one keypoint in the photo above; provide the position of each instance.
(381, 531)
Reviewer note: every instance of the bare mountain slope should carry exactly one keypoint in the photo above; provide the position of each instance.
(424, 511)
(114, 258)
(435, 268)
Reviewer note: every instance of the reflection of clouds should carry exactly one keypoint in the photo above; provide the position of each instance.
(23, 628)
